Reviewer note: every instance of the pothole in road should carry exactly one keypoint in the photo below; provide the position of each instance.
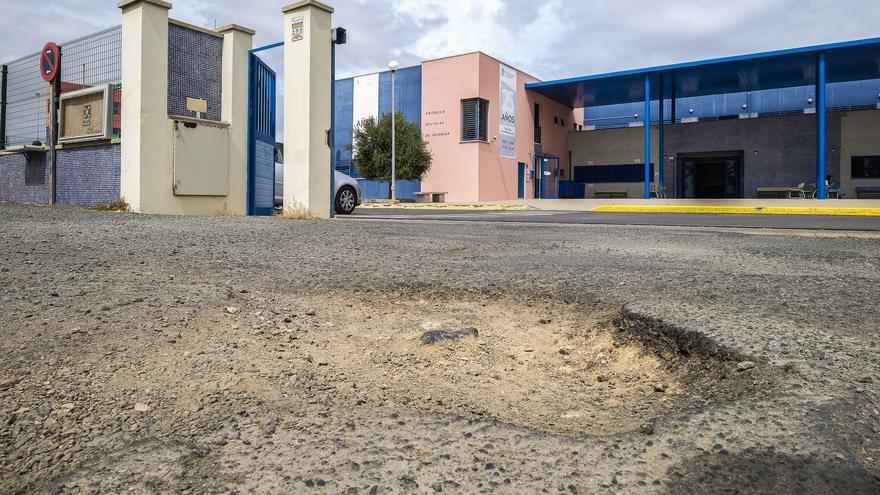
(550, 367)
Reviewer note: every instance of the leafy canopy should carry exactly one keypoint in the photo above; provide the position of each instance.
(372, 149)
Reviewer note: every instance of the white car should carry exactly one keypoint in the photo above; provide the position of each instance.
(348, 191)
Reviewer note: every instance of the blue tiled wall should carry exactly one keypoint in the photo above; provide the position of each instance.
(86, 176)
(195, 70)
(24, 178)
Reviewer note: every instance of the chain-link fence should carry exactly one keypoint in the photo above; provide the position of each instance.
(85, 62)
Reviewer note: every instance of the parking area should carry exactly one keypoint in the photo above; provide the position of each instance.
(797, 222)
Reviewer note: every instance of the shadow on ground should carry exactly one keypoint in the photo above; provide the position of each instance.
(723, 472)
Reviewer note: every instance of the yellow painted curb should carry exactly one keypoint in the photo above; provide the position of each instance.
(445, 206)
(742, 210)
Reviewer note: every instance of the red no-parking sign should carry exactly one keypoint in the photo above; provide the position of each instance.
(50, 59)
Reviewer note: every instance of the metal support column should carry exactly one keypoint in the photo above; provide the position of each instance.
(661, 155)
(648, 136)
(673, 102)
(4, 74)
(821, 151)
(340, 37)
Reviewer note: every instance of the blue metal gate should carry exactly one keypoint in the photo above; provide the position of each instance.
(261, 138)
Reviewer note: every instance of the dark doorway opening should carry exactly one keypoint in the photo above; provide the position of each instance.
(711, 175)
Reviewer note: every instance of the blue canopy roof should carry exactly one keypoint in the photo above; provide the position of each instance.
(847, 61)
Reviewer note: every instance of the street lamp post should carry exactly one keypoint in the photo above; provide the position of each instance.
(393, 65)
(338, 37)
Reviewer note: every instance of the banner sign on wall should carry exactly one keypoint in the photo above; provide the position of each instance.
(507, 130)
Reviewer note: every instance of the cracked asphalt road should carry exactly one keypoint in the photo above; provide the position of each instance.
(152, 354)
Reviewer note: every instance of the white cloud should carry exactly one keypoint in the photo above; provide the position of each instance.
(550, 39)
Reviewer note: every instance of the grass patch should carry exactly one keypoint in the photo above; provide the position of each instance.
(298, 213)
(118, 205)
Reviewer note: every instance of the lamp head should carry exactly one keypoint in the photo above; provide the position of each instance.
(339, 36)
(393, 65)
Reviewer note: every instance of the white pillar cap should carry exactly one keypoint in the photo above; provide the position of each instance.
(123, 4)
(305, 3)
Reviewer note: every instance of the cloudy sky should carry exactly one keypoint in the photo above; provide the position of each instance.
(549, 39)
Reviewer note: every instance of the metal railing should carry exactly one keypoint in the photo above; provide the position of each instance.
(345, 166)
(88, 61)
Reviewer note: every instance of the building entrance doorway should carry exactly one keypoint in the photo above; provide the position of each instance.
(547, 173)
(711, 176)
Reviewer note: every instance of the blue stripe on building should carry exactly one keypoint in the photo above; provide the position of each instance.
(841, 96)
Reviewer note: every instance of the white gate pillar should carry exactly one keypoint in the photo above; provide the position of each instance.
(144, 100)
(307, 107)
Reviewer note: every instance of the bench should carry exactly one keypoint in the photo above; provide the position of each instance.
(612, 193)
(430, 197)
(779, 192)
(867, 191)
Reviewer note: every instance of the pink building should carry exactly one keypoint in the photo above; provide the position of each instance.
(475, 157)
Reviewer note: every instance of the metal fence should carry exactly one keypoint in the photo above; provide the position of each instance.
(87, 61)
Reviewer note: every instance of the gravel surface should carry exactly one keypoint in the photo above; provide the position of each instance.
(147, 354)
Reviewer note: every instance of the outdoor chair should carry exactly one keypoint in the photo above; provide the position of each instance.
(833, 190)
(658, 192)
(811, 191)
(797, 192)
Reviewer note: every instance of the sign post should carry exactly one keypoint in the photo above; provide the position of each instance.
(4, 75)
(50, 71)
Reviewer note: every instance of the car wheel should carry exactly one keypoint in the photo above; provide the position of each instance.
(346, 200)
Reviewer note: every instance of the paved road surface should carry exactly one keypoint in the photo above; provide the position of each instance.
(162, 354)
(664, 219)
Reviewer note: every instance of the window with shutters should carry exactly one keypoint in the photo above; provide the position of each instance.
(474, 119)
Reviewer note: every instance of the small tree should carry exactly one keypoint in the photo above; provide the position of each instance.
(372, 149)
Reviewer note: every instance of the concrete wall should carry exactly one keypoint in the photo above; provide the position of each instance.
(497, 175)
(148, 95)
(87, 176)
(860, 136)
(474, 171)
(163, 63)
(445, 83)
(785, 146)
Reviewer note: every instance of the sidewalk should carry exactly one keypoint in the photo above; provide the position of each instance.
(846, 207)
